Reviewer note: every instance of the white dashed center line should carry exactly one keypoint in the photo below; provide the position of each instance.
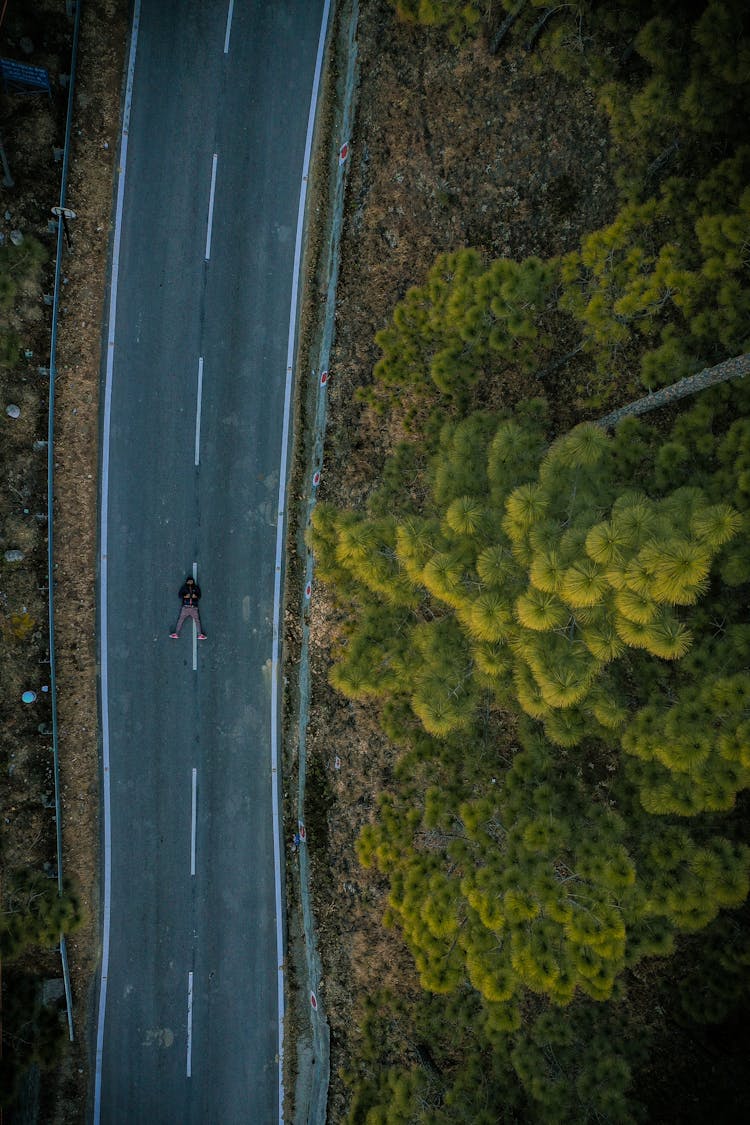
(198, 412)
(214, 162)
(195, 627)
(193, 821)
(229, 27)
(189, 1061)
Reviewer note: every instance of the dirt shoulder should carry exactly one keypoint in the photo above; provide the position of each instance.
(104, 29)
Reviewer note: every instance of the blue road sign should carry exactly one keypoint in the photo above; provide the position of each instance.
(21, 78)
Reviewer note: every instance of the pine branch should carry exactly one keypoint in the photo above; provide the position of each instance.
(558, 363)
(539, 26)
(662, 159)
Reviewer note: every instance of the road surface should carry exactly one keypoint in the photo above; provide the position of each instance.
(188, 1021)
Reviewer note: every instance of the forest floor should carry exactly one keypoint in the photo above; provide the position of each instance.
(451, 148)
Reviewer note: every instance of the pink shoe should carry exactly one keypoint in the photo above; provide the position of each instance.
(202, 637)
(174, 636)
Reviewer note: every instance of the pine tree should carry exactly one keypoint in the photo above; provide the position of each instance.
(575, 1067)
(459, 18)
(556, 634)
(35, 913)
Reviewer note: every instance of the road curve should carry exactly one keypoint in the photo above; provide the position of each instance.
(203, 277)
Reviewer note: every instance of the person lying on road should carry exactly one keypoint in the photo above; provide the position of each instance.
(190, 593)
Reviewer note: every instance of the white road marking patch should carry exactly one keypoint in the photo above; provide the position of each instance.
(158, 1037)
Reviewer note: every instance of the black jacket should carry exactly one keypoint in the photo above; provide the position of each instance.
(190, 594)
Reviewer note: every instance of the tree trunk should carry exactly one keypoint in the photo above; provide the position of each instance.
(505, 27)
(735, 368)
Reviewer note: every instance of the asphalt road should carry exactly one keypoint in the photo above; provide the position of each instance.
(215, 153)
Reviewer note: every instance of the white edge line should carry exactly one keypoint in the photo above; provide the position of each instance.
(193, 819)
(189, 1059)
(212, 193)
(229, 27)
(103, 548)
(280, 529)
(198, 412)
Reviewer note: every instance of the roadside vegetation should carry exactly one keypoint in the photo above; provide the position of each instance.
(550, 621)
(33, 911)
(33, 914)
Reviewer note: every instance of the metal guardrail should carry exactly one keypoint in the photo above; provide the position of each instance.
(318, 1063)
(50, 500)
